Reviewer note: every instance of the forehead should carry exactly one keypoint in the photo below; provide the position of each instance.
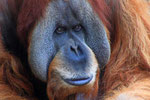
(72, 4)
(69, 8)
(68, 13)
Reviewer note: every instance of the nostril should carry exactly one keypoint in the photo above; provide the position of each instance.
(75, 49)
(80, 52)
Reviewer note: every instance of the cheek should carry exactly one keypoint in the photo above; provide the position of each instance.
(41, 49)
(40, 53)
(100, 46)
(103, 52)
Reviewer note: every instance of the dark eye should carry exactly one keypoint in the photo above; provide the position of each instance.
(77, 28)
(60, 30)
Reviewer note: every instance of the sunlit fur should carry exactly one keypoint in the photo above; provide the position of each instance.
(127, 73)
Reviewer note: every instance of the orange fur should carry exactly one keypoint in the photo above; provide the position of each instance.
(138, 90)
(130, 57)
(13, 84)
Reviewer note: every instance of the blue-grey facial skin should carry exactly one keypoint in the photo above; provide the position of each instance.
(45, 42)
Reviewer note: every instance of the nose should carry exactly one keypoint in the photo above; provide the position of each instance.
(76, 52)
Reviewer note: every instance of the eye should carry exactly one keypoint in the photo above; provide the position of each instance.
(77, 28)
(60, 30)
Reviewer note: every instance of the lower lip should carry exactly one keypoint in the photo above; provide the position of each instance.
(79, 82)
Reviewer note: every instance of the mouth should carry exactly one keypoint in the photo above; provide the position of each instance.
(79, 81)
